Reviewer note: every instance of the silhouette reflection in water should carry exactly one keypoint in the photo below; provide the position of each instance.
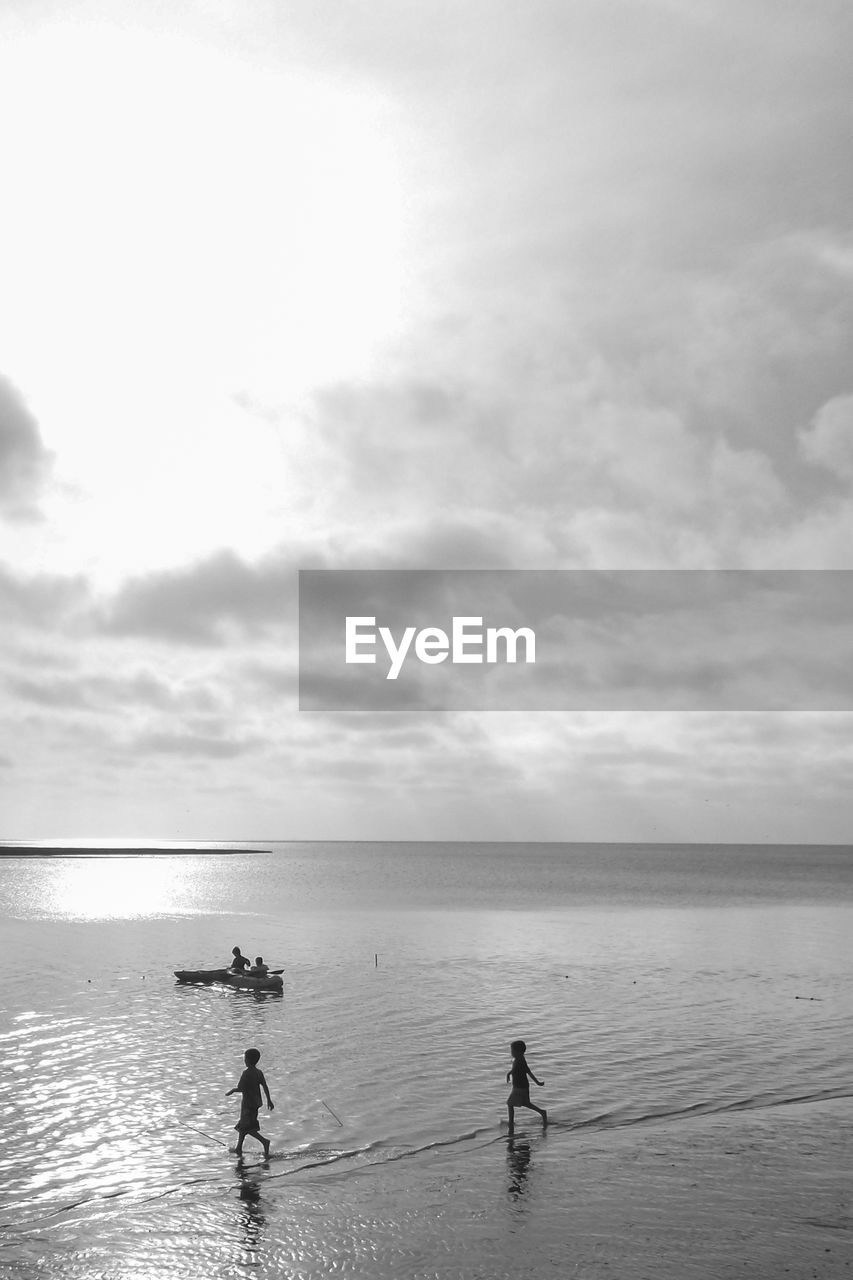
(252, 1219)
(518, 1158)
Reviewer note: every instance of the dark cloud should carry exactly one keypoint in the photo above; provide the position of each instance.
(748, 352)
(642, 238)
(110, 693)
(147, 690)
(41, 599)
(59, 694)
(23, 458)
(208, 603)
(222, 598)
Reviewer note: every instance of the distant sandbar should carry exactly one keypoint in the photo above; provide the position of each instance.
(114, 851)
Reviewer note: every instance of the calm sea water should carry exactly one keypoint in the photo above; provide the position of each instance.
(646, 981)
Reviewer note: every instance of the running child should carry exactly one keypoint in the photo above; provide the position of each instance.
(250, 1084)
(520, 1094)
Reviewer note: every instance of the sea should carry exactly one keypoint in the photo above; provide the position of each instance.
(649, 982)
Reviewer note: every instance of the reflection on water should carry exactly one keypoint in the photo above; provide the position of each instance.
(118, 887)
(252, 1219)
(518, 1157)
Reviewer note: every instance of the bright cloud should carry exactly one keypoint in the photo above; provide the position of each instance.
(495, 285)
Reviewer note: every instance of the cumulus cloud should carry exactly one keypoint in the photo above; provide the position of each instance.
(205, 603)
(625, 341)
(24, 460)
(42, 600)
(640, 306)
(544, 480)
(113, 694)
(58, 694)
(828, 440)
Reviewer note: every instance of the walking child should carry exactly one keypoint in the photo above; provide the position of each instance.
(250, 1084)
(520, 1094)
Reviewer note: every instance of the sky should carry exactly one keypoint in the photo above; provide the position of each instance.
(376, 284)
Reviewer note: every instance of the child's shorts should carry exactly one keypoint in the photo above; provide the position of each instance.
(248, 1122)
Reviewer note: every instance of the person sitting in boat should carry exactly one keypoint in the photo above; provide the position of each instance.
(259, 969)
(240, 962)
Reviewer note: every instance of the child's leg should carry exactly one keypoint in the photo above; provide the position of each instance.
(511, 1109)
(265, 1142)
(538, 1110)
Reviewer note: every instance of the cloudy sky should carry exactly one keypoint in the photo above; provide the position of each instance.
(552, 284)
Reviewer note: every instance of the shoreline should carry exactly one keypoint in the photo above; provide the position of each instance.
(762, 1194)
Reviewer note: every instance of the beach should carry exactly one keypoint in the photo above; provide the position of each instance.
(762, 1194)
(688, 1011)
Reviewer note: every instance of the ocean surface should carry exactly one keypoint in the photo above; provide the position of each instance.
(648, 982)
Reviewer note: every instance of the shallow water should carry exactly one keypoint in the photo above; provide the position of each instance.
(647, 982)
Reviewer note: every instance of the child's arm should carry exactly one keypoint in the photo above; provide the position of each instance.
(533, 1078)
(238, 1088)
(265, 1087)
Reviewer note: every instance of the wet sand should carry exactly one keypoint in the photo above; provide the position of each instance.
(763, 1193)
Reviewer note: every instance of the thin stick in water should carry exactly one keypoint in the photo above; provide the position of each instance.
(331, 1112)
(203, 1134)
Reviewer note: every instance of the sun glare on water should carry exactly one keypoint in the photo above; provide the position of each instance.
(117, 888)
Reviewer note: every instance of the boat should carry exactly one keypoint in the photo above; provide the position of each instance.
(243, 981)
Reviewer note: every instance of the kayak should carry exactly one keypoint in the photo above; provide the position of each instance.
(244, 981)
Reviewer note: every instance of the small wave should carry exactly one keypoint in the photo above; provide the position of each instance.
(617, 1120)
(492, 1134)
